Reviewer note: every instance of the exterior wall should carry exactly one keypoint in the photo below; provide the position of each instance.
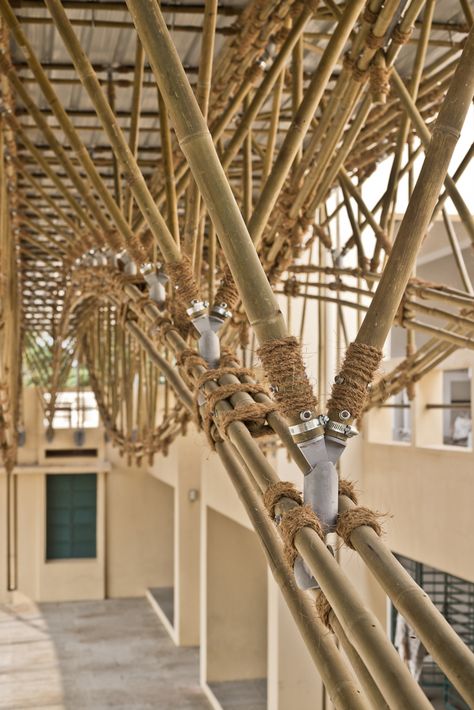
(235, 602)
(425, 487)
(134, 521)
(139, 531)
(53, 580)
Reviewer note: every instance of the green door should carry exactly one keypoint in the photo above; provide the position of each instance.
(71, 515)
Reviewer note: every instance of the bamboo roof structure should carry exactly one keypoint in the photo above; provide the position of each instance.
(173, 181)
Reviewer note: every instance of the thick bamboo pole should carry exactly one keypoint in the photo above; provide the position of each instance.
(203, 90)
(168, 167)
(371, 691)
(132, 173)
(198, 147)
(438, 637)
(341, 686)
(401, 261)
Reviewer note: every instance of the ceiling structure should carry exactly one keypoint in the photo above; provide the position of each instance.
(175, 175)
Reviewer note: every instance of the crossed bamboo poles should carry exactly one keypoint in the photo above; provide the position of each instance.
(235, 240)
(245, 462)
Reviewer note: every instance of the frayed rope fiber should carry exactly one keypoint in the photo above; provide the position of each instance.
(182, 279)
(277, 491)
(227, 291)
(347, 488)
(283, 363)
(354, 518)
(323, 609)
(252, 414)
(357, 372)
(291, 523)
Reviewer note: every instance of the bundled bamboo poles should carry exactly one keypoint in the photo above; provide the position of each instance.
(278, 135)
(197, 145)
(444, 648)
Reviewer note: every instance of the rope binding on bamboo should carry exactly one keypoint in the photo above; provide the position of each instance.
(354, 518)
(276, 491)
(349, 391)
(291, 523)
(282, 361)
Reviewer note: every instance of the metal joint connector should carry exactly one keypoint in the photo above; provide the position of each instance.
(344, 430)
(196, 309)
(221, 311)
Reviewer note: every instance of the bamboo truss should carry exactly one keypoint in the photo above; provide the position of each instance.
(249, 184)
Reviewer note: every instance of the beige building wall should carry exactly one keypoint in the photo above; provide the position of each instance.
(134, 520)
(425, 487)
(235, 602)
(138, 530)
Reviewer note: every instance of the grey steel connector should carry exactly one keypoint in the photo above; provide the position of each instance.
(321, 483)
(155, 279)
(112, 258)
(128, 265)
(208, 345)
(99, 258)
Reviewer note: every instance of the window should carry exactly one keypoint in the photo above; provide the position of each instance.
(457, 424)
(74, 410)
(454, 598)
(71, 512)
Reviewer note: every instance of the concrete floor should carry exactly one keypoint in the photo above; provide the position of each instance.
(94, 655)
(241, 694)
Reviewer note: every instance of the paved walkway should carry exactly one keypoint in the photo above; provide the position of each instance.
(93, 655)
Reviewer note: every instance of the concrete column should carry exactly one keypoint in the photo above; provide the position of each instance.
(3, 538)
(187, 540)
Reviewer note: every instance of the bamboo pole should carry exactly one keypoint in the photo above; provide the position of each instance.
(342, 687)
(132, 173)
(198, 147)
(115, 164)
(371, 691)
(438, 637)
(401, 261)
(133, 137)
(167, 152)
(193, 201)
(301, 122)
(68, 127)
